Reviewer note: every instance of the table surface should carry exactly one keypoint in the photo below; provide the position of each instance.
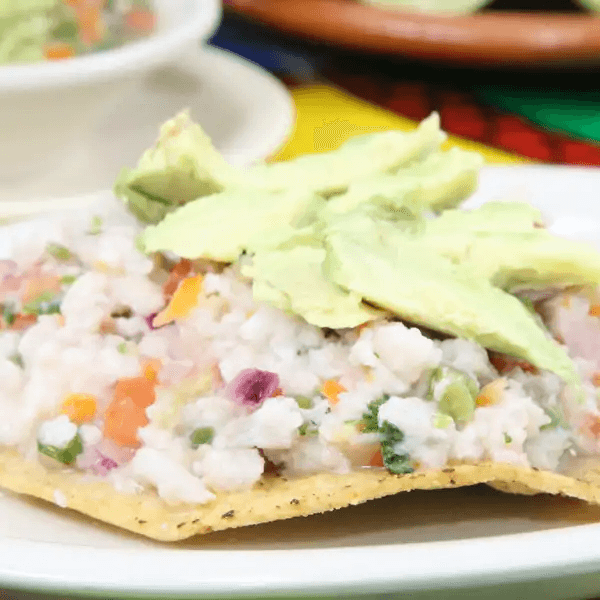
(544, 116)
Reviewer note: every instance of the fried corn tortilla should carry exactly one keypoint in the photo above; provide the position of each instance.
(273, 498)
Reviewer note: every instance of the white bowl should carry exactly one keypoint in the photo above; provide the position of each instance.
(45, 107)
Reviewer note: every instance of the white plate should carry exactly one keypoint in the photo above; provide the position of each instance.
(247, 112)
(444, 544)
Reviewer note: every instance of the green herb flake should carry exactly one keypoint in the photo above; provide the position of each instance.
(59, 252)
(17, 359)
(304, 402)
(394, 462)
(370, 419)
(202, 435)
(95, 225)
(308, 429)
(122, 347)
(66, 455)
(8, 314)
(44, 304)
(507, 439)
(68, 279)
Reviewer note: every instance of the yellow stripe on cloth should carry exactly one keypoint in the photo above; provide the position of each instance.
(327, 117)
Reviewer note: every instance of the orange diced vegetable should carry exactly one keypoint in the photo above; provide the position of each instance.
(80, 408)
(139, 389)
(23, 322)
(594, 310)
(91, 26)
(184, 300)
(491, 393)
(331, 390)
(122, 420)
(178, 273)
(59, 51)
(141, 20)
(41, 284)
(151, 368)
(376, 460)
(592, 425)
(127, 411)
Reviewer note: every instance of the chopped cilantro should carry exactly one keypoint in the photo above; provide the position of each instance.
(44, 304)
(370, 419)
(68, 279)
(202, 435)
(390, 436)
(556, 419)
(8, 314)
(66, 455)
(507, 439)
(122, 348)
(308, 429)
(59, 252)
(17, 358)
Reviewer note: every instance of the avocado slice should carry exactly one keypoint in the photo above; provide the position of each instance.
(405, 276)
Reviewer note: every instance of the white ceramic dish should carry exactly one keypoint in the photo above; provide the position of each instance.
(245, 127)
(447, 544)
(44, 106)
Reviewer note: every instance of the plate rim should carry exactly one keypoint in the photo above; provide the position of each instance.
(575, 549)
(547, 40)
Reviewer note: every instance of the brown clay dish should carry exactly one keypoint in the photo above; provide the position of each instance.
(482, 39)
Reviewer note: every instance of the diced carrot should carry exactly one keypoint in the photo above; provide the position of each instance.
(596, 378)
(91, 26)
(151, 368)
(80, 408)
(177, 274)
(184, 300)
(278, 392)
(127, 411)
(139, 389)
(376, 460)
(141, 20)
(592, 425)
(331, 390)
(491, 393)
(59, 51)
(122, 419)
(594, 310)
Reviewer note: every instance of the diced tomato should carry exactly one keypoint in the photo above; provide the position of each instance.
(376, 460)
(505, 363)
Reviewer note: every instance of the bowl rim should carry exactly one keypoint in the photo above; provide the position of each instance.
(116, 63)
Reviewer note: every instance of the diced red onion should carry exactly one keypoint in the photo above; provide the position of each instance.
(251, 387)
